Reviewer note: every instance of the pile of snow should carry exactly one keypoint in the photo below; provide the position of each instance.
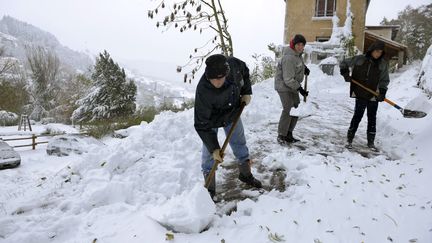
(341, 33)
(425, 78)
(191, 212)
(329, 60)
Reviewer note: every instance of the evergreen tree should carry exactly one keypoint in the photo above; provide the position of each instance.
(415, 29)
(111, 96)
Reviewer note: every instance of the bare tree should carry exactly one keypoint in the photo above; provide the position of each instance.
(45, 67)
(6, 64)
(13, 92)
(196, 15)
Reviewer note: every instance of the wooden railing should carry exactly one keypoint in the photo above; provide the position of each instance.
(33, 139)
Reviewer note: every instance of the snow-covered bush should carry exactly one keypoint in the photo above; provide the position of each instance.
(47, 120)
(64, 145)
(8, 118)
(425, 77)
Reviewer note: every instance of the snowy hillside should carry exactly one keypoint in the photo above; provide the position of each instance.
(330, 194)
(156, 92)
(15, 36)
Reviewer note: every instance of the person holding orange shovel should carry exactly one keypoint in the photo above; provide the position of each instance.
(371, 71)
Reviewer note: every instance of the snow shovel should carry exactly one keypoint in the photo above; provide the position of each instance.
(405, 112)
(225, 144)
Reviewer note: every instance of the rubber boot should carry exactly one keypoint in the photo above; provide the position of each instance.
(371, 141)
(246, 176)
(212, 186)
(350, 138)
(282, 140)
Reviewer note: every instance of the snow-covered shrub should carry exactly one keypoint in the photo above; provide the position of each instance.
(264, 68)
(58, 128)
(64, 145)
(47, 120)
(8, 118)
(425, 77)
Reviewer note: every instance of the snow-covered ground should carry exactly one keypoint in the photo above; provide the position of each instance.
(115, 194)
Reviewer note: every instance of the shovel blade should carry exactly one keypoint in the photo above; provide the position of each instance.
(413, 114)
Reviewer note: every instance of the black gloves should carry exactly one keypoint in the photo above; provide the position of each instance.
(347, 78)
(306, 70)
(381, 95)
(303, 92)
(345, 74)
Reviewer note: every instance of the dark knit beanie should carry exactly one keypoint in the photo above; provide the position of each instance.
(216, 66)
(299, 39)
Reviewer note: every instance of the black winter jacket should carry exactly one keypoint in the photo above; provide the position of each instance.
(372, 73)
(217, 107)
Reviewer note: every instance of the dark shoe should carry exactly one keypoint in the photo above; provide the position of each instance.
(372, 147)
(212, 186)
(246, 176)
(290, 138)
(250, 180)
(282, 140)
(349, 145)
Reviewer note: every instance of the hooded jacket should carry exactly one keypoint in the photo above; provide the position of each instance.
(373, 73)
(217, 107)
(289, 74)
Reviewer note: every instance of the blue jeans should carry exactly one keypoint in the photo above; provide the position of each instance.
(237, 144)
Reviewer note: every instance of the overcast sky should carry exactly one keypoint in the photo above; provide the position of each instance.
(122, 27)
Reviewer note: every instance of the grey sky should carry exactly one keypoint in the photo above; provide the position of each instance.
(122, 27)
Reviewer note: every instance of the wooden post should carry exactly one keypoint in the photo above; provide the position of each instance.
(19, 124)
(34, 142)
(28, 120)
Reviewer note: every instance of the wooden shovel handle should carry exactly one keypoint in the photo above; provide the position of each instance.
(376, 94)
(225, 144)
(305, 87)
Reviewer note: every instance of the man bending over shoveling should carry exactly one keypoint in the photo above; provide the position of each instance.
(219, 94)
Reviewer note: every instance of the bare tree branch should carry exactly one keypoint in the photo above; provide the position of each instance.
(196, 15)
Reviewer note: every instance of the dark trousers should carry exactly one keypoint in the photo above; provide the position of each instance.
(360, 107)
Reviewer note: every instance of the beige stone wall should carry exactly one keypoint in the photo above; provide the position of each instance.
(299, 19)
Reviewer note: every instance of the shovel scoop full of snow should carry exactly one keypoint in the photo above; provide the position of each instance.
(413, 114)
(304, 109)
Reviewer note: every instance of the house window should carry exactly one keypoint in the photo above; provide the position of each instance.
(322, 38)
(325, 8)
